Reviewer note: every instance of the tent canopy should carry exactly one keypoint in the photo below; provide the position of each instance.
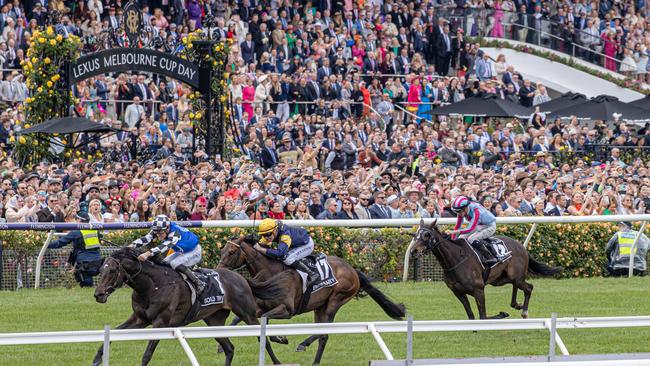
(563, 101)
(603, 108)
(488, 106)
(643, 103)
(68, 125)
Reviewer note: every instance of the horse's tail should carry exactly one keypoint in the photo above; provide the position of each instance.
(395, 311)
(265, 290)
(542, 269)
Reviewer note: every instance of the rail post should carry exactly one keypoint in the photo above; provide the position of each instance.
(630, 270)
(531, 232)
(409, 340)
(39, 260)
(107, 345)
(262, 354)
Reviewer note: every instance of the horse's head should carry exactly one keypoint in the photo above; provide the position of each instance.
(427, 238)
(232, 254)
(117, 269)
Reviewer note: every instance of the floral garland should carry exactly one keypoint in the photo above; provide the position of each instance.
(627, 83)
(217, 60)
(47, 99)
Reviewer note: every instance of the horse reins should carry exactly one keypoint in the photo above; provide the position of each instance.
(432, 247)
(129, 277)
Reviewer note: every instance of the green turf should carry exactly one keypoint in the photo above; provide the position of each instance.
(75, 309)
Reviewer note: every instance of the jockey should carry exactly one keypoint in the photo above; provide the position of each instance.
(292, 244)
(482, 225)
(183, 243)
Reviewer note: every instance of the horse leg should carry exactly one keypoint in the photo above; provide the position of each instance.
(323, 316)
(133, 322)
(161, 321)
(216, 320)
(252, 320)
(462, 297)
(513, 301)
(527, 288)
(479, 295)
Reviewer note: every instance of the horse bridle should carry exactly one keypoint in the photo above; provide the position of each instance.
(121, 268)
(240, 252)
(427, 236)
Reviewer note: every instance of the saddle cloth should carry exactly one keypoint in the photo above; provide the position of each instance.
(319, 264)
(212, 294)
(497, 247)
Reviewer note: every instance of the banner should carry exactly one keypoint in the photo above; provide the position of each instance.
(138, 59)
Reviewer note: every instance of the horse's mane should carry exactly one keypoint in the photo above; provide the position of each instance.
(250, 239)
(125, 253)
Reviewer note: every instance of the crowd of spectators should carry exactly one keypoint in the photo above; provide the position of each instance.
(331, 103)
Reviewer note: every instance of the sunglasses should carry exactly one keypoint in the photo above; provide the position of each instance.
(268, 235)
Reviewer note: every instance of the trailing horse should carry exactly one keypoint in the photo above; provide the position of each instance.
(464, 272)
(161, 298)
(325, 302)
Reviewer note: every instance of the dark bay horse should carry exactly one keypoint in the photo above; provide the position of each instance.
(464, 271)
(324, 302)
(161, 298)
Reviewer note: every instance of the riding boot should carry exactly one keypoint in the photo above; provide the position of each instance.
(312, 277)
(198, 284)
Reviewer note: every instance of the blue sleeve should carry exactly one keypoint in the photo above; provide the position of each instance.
(279, 252)
(69, 238)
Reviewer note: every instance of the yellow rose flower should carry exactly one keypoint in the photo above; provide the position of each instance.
(49, 84)
(22, 140)
(27, 125)
(67, 154)
(34, 60)
(191, 115)
(12, 139)
(53, 42)
(41, 40)
(78, 153)
(47, 60)
(40, 89)
(59, 38)
(198, 115)
(50, 31)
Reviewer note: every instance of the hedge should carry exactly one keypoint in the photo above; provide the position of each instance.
(579, 248)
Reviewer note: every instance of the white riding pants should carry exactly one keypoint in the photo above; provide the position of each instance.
(481, 232)
(297, 253)
(187, 259)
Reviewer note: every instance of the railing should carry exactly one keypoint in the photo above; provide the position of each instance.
(409, 327)
(372, 223)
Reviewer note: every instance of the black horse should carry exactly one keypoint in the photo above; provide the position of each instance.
(161, 298)
(463, 270)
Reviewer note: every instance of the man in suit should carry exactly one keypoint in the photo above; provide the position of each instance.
(248, 49)
(523, 23)
(379, 210)
(268, 156)
(443, 52)
(52, 212)
(134, 112)
(526, 94)
(324, 71)
(7, 88)
(141, 90)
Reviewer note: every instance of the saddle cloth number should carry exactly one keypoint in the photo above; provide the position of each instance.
(323, 268)
(500, 249)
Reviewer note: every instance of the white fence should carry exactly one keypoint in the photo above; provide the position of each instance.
(375, 328)
(373, 223)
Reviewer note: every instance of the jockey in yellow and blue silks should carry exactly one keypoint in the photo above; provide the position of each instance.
(287, 244)
(183, 243)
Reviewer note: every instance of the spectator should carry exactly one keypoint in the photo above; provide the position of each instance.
(619, 249)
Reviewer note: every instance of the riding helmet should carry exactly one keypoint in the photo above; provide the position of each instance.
(459, 203)
(267, 226)
(160, 223)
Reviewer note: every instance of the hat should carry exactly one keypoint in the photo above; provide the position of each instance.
(31, 176)
(391, 199)
(540, 154)
(627, 224)
(82, 216)
(414, 189)
(521, 176)
(54, 181)
(286, 137)
(89, 187)
(509, 125)
(540, 178)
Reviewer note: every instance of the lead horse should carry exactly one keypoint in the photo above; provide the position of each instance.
(161, 298)
(463, 271)
(325, 302)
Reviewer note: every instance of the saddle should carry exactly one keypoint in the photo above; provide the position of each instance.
(212, 294)
(318, 263)
(492, 251)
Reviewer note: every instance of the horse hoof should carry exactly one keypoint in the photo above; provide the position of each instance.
(524, 314)
(503, 315)
(279, 339)
(301, 348)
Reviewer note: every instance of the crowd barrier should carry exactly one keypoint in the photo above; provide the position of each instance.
(409, 327)
(373, 223)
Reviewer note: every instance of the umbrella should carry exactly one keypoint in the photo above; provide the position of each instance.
(68, 125)
(565, 100)
(603, 107)
(487, 106)
(643, 103)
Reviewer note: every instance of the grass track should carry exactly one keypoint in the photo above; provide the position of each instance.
(75, 309)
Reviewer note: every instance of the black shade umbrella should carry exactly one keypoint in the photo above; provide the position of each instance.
(603, 107)
(68, 125)
(563, 101)
(643, 103)
(487, 106)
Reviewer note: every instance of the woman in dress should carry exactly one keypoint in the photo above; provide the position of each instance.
(248, 95)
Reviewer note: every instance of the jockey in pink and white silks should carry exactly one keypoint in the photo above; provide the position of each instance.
(481, 225)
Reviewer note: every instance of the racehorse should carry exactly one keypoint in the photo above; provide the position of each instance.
(324, 302)
(161, 298)
(463, 270)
